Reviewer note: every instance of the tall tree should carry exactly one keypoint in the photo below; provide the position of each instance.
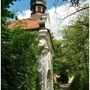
(19, 55)
(74, 52)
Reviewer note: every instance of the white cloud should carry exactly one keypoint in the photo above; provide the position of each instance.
(24, 14)
(56, 16)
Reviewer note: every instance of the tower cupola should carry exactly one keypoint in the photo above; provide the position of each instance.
(37, 7)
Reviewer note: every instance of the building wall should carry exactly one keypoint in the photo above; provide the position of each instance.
(46, 61)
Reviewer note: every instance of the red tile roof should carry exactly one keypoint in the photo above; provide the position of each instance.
(25, 24)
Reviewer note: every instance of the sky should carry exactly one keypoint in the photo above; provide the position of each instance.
(57, 11)
(21, 5)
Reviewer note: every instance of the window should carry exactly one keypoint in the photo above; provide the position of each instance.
(40, 9)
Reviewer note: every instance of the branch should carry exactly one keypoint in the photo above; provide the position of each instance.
(74, 13)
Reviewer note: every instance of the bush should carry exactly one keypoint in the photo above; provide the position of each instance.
(19, 65)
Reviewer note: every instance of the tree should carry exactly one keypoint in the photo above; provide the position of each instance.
(19, 54)
(77, 44)
(20, 61)
(73, 51)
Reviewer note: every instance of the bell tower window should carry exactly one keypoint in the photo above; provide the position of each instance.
(40, 9)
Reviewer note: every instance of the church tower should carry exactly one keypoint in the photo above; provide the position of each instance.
(38, 8)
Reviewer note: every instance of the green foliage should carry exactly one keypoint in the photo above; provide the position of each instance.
(60, 63)
(57, 87)
(19, 60)
(76, 39)
(19, 54)
(72, 53)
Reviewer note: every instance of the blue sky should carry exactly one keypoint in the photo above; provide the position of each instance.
(25, 5)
